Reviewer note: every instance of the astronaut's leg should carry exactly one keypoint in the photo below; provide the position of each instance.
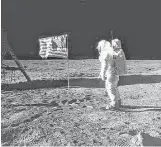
(106, 94)
(112, 91)
(116, 84)
(117, 92)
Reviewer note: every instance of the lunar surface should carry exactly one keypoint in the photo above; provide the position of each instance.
(46, 113)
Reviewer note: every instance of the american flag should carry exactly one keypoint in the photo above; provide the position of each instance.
(55, 46)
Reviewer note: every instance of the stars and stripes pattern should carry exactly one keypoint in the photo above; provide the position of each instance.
(55, 46)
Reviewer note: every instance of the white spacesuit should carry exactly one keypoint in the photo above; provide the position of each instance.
(113, 64)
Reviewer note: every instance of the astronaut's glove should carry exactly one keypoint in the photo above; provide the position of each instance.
(103, 77)
(99, 77)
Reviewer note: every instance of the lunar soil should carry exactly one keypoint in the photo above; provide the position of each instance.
(45, 113)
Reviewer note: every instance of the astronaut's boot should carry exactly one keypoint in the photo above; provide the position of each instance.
(113, 105)
(106, 94)
(119, 103)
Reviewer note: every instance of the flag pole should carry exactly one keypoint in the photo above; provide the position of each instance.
(111, 36)
(68, 75)
(67, 61)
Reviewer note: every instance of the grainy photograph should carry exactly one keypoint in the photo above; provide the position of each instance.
(81, 73)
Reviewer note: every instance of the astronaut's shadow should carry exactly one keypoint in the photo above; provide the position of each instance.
(139, 79)
(130, 108)
(124, 80)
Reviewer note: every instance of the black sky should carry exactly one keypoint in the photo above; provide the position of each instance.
(138, 22)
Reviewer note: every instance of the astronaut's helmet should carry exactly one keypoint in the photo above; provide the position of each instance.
(116, 43)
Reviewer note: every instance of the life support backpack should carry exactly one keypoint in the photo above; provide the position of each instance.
(120, 62)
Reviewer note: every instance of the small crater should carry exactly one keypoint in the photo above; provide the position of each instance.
(51, 125)
(54, 104)
(72, 101)
(19, 110)
(132, 132)
(62, 132)
(32, 118)
(15, 125)
(58, 109)
(88, 98)
(24, 130)
(81, 100)
(121, 133)
(60, 69)
(64, 101)
(127, 123)
(75, 141)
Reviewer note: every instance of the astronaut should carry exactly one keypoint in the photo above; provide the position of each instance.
(113, 64)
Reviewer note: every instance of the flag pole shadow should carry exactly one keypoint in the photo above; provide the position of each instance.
(86, 82)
